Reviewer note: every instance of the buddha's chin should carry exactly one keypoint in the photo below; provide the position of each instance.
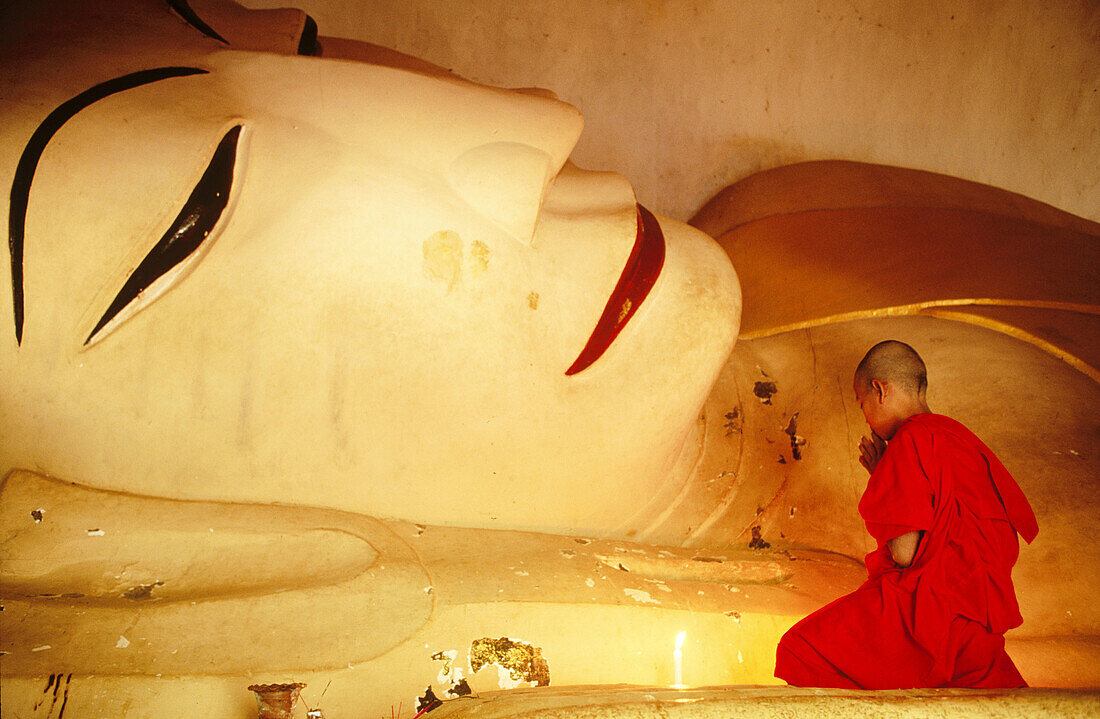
(696, 308)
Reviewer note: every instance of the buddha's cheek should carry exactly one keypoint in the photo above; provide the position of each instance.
(632, 410)
(358, 337)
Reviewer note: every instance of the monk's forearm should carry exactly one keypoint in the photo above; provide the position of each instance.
(904, 548)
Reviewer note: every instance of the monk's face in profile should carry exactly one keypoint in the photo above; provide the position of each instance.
(872, 403)
(270, 277)
(885, 405)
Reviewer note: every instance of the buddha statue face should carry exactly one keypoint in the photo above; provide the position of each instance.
(245, 274)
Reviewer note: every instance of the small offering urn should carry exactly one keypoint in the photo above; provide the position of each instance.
(276, 701)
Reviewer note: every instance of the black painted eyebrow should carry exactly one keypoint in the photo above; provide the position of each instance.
(184, 10)
(32, 153)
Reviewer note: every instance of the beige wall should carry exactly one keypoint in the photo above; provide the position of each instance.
(686, 97)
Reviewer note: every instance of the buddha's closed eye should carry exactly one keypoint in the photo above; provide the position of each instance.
(32, 153)
(178, 249)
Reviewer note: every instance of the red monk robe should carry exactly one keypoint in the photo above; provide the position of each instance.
(940, 621)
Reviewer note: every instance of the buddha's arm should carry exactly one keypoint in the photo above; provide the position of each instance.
(904, 548)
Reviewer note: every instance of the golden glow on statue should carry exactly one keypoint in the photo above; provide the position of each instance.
(309, 426)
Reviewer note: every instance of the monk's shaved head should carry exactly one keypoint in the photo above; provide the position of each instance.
(894, 362)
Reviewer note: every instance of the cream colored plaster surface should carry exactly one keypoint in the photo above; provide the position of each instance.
(112, 583)
(337, 444)
(356, 332)
(685, 98)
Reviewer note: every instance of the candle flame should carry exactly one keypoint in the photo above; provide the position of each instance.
(680, 639)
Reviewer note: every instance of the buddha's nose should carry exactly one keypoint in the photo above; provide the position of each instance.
(523, 145)
(497, 149)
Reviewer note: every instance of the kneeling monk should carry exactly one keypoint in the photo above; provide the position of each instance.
(945, 512)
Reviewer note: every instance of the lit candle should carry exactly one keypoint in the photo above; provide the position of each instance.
(678, 661)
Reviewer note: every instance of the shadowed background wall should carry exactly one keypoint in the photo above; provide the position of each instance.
(686, 97)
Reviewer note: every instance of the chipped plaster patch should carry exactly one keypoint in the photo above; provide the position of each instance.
(612, 562)
(735, 423)
(764, 391)
(624, 311)
(518, 663)
(141, 591)
(479, 257)
(797, 441)
(660, 584)
(460, 688)
(451, 676)
(443, 257)
(640, 595)
(757, 541)
(447, 671)
(506, 680)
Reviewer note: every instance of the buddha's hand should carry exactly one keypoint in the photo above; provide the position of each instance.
(870, 451)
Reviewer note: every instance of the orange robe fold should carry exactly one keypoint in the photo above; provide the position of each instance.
(941, 621)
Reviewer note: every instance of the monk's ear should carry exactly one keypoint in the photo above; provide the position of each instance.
(879, 388)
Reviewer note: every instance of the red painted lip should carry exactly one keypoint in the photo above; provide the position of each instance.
(637, 279)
